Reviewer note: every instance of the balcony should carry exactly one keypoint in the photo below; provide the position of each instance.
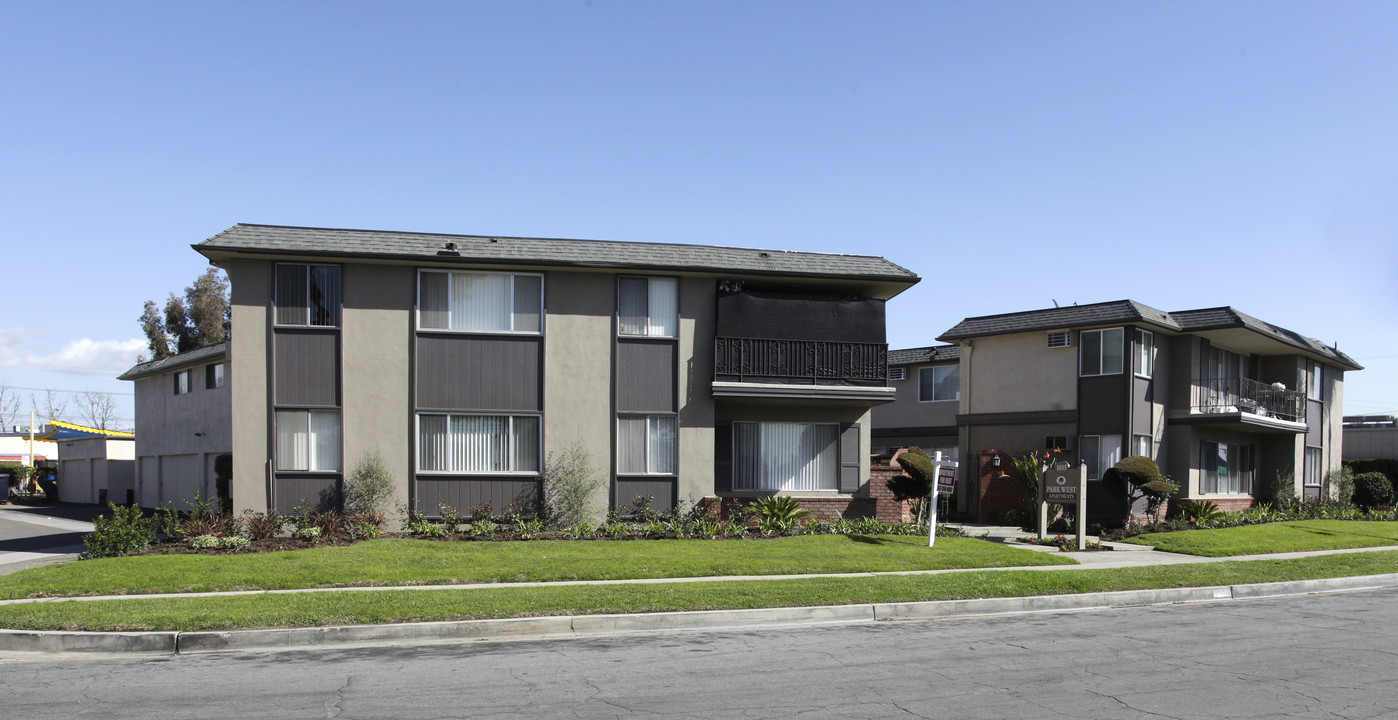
(757, 367)
(1247, 403)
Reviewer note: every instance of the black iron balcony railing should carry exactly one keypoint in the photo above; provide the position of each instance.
(800, 362)
(1221, 395)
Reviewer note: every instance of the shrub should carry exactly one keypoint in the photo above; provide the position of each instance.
(364, 526)
(233, 542)
(203, 542)
(311, 533)
(261, 526)
(570, 481)
(483, 528)
(215, 525)
(330, 522)
(529, 528)
(1200, 512)
(778, 514)
(369, 486)
(1372, 490)
(1279, 491)
(1340, 485)
(1136, 477)
(124, 532)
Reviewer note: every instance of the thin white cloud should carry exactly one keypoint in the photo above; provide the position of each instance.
(84, 356)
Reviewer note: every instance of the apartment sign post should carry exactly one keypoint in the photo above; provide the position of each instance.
(1062, 484)
(945, 483)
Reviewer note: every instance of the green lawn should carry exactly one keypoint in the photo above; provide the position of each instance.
(422, 562)
(360, 607)
(1275, 537)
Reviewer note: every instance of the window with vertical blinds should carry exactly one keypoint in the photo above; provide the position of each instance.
(646, 445)
(785, 456)
(648, 306)
(480, 302)
(1226, 468)
(308, 440)
(307, 295)
(478, 443)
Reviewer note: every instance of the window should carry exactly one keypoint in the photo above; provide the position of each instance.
(647, 306)
(478, 443)
(308, 440)
(1060, 339)
(1313, 387)
(1226, 468)
(1100, 352)
(1313, 472)
(480, 302)
(785, 456)
(940, 383)
(1141, 445)
(897, 373)
(182, 382)
(646, 445)
(213, 376)
(1055, 442)
(307, 295)
(1145, 353)
(1100, 452)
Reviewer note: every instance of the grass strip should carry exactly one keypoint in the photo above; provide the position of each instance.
(424, 562)
(1296, 536)
(351, 608)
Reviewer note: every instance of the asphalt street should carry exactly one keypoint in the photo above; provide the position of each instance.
(1309, 656)
(42, 534)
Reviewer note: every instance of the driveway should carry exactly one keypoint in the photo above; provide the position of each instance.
(34, 535)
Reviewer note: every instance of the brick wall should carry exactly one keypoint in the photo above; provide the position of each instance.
(1224, 504)
(996, 495)
(880, 503)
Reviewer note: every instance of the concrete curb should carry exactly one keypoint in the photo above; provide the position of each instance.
(20, 641)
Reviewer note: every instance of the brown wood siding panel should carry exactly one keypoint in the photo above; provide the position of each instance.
(645, 376)
(464, 493)
(321, 491)
(307, 368)
(471, 372)
(1102, 406)
(660, 490)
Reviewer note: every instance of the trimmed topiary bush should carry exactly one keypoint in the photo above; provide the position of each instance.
(1372, 489)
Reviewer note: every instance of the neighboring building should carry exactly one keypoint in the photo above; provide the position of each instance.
(1222, 401)
(1369, 437)
(687, 372)
(14, 449)
(183, 424)
(923, 414)
(97, 470)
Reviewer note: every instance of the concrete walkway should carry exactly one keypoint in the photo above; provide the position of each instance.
(1123, 555)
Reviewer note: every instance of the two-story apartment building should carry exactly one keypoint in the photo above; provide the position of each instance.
(1221, 400)
(685, 371)
(183, 414)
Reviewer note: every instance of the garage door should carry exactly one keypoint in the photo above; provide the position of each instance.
(180, 477)
(75, 481)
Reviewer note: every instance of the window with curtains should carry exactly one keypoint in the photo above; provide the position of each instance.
(182, 382)
(482, 302)
(307, 295)
(1099, 452)
(451, 443)
(646, 445)
(1226, 468)
(1313, 473)
(1141, 445)
(785, 456)
(1145, 353)
(1100, 352)
(308, 440)
(647, 306)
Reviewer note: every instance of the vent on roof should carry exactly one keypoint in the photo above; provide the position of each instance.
(897, 373)
(1060, 339)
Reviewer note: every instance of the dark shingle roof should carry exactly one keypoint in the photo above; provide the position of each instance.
(184, 359)
(1060, 318)
(280, 240)
(919, 356)
(1130, 311)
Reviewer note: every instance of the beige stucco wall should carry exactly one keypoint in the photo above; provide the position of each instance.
(375, 339)
(1017, 373)
(577, 368)
(695, 378)
(907, 410)
(247, 351)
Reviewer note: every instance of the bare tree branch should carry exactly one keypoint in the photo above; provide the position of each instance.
(9, 406)
(51, 407)
(96, 409)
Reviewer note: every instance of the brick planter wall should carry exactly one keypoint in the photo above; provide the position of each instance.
(1224, 504)
(880, 503)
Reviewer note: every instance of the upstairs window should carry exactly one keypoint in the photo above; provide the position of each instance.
(1145, 353)
(480, 302)
(647, 306)
(213, 376)
(182, 382)
(478, 444)
(1100, 352)
(940, 383)
(307, 295)
(1313, 378)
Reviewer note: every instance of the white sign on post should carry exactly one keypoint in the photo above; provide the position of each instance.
(945, 472)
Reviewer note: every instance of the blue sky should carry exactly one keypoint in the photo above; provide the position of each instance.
(1183, 154)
